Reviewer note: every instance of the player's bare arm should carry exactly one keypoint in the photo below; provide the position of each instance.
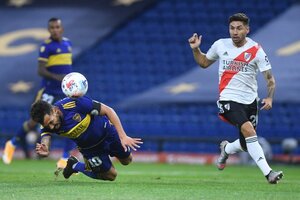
(199, 56)
(271, 90)
(42, 149)
(133, 143)
(42, 71)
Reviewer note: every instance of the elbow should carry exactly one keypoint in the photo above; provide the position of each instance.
(203, 65)
(109, 111)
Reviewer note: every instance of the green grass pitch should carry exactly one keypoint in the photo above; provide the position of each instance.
(34, 179)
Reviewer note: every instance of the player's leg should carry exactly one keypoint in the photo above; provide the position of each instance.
(96, 167)
(230, 113)
(19, 138)
(257, 153)
(115, 147)
(125, 161)
(254, 148)
(109, 175)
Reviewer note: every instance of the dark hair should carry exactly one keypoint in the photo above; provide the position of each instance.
(39, 109)
(53, 19)
(240, 17)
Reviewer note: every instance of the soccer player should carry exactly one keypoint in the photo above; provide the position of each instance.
(240, 58)
(93, 126)
(54, 62)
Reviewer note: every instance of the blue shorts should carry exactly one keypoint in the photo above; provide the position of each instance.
(97, 158)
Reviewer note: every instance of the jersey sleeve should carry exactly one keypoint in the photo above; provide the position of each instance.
(262, 61)
(43, 53)
(84, 104)
(45, 132)
(212, 53)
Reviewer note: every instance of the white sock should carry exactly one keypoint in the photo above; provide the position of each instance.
(257, 154)
(233, 147)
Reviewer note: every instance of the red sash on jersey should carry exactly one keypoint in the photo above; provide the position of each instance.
(246, 57)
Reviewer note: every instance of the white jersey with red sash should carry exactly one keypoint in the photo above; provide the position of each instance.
(238, 67)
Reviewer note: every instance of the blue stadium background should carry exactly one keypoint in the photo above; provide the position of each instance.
(148, 47)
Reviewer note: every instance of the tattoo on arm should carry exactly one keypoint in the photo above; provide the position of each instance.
(201, 59)
(270, 83)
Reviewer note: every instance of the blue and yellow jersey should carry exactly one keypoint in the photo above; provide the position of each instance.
(78, 124)
(58, 56)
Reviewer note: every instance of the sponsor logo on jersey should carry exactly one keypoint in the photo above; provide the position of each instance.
(236, 66)
(80, 128)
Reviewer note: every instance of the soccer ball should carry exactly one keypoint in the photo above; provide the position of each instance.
(74, 85)
(289, 144)
(31, 137)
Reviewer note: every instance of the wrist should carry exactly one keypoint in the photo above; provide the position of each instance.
(196, 49)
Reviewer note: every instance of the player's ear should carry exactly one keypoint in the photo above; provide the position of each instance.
(54, 109)
(248, 29)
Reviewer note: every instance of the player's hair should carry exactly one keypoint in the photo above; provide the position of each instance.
(39, 109)
(242, 17)
(53, 19)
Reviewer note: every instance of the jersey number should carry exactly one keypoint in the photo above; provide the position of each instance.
(253, 120)
(48, 98)
(95, 161)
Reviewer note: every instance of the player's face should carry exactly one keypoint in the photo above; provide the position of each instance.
(238, 32)
(53, 121)
(55, 29)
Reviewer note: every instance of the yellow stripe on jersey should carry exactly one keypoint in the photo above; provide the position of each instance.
(45, 133)
(80, 128)
(60, 59)
(69, 105)
(43, 59)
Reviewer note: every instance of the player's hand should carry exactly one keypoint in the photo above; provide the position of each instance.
(267, 104)
(41, 150)
(195, 41)
(133, 143)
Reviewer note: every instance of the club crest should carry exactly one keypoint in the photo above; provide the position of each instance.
(247, 56)
(77, 117)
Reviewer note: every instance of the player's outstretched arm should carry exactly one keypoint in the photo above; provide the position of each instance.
(127, 141)
(42, 149)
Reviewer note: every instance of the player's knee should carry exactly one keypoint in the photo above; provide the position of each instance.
(111, 175)
(106, 177)
(248, 130)
(126, 161)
